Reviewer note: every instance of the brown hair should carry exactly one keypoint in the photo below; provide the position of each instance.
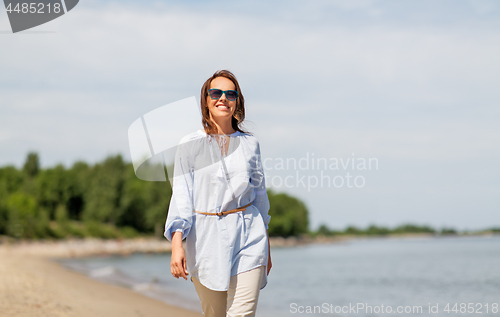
(239, 112)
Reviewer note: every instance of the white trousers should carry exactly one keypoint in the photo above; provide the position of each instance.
(238, 301)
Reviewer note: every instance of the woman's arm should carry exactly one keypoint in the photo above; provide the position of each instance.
(261, 201)
(178, 266)
(269, 263)
(180, 210)
(258, 182)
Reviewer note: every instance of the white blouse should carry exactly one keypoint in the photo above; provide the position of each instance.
(218, 247)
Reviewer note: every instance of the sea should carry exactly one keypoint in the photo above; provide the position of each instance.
(431, 276)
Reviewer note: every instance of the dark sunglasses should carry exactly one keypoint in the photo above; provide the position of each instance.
(231, 95)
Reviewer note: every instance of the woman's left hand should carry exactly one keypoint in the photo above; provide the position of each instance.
(269, 263)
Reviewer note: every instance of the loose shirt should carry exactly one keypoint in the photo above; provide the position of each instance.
(218, 247)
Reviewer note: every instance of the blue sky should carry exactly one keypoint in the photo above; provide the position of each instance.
(411, 83)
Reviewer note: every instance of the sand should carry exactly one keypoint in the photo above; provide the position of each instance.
(31, 284)
(34, 285)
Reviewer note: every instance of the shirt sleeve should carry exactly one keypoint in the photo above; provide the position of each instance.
(180, 210)
(258, 182)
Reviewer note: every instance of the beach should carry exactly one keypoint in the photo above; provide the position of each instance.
(31, 284)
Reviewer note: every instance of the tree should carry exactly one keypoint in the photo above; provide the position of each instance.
(78, 178)
(158, 199)
(103, 196)
(375, 230)
(289, 215)
(411, 228)
(324, 230)
(352, 230)
(26, 220)
(12, 178)
(32, 165)
(145, 204)
(52, 189)
(4, 215)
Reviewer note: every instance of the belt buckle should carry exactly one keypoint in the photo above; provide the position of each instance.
(219, 213)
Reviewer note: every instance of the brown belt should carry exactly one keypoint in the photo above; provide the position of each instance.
(222, 213)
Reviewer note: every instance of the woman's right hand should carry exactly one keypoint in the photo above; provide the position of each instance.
(178, 262)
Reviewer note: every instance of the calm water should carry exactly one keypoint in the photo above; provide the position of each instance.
(319, 280)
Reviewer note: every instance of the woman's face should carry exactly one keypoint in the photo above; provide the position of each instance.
(222, 108)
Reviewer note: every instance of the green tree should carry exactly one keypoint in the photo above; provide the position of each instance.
(4, 215)
(12, 178)
(144, 204)
(411, 228)
(324, 230)
(25, 218)
(375, 230)
(103, 196)
(32, 165)
(134, 202)
(448, 231)
(352, 230)
(103, 200)
(52, 189)
(289, 215)
(78, 181)
(158, 200)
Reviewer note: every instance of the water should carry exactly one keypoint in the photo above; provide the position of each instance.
(412, 275)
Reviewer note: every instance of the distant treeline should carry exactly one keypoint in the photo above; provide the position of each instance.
(373, 230)
(107, 200)
(104, 200)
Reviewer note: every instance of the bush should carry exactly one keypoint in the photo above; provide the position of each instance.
(100, 230)
(25, 219)
(289, 216)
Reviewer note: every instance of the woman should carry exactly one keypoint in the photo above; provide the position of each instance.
(220, 205)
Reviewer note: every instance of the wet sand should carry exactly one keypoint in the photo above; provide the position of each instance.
(33, 285)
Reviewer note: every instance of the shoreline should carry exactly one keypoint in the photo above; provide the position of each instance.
(36, 285)
(75, 248)
(33, 283)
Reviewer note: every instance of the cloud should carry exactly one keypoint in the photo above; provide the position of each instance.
(104, 69)
(399, 82)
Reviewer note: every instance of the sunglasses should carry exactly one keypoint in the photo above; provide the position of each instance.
(231, 95)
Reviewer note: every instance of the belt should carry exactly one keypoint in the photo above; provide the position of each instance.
(222, 213)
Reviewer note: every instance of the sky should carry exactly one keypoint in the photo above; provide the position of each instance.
(411, 85)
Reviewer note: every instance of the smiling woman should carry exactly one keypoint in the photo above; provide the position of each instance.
(222, 112)
(220, 205)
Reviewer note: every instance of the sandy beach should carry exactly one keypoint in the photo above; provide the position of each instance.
(34, 285)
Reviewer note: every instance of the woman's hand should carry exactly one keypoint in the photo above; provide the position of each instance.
(178, 261)
(269, 263)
